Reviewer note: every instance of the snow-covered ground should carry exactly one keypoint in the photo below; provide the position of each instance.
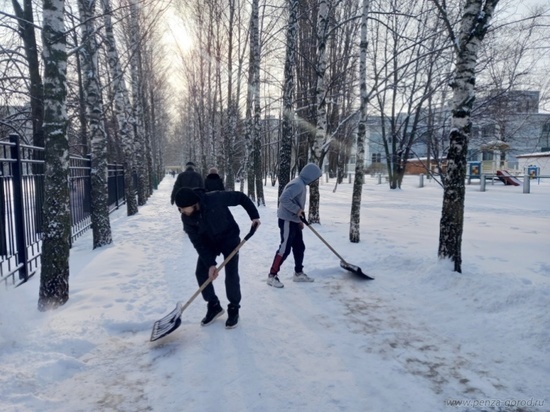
(418, 338)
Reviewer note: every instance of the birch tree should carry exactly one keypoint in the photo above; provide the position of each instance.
(54, 274)
(319, 149)
(141, 152)
(285, 157)
(122, 108)
(306, 81)
(232, 104)
(25, 21)
(256, 138)
(476, 16)
(355, 220)
(253, 85)
(101, 226)
(157, 98)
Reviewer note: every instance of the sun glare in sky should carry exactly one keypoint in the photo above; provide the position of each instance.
(178, 34)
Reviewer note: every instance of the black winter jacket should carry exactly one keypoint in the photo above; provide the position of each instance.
(213, 229)
(188, 178)
(213, 182)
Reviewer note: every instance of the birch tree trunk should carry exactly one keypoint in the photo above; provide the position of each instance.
(232, 106)
(253, 83)
(137, 104)
(306, 80)
(122, 109)
(355, 220)
(155, 97)
(320, 98)
(474, 24)
(54, 274)
(248, 163)
(101, 226)
(26, 30)
(145, 78)
(285, 157)
(256, 138)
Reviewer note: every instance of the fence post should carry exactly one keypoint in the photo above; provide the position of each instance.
(482, 183)
(3, 211)
(526, 183)
(19, 213)
(119, 183)
(421, 180)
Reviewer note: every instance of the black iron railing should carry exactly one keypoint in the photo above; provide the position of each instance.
(22, 199)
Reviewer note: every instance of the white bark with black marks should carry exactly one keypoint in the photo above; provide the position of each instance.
(319, 143)
(101, 226)
(123, 109)
(285, 156)
(355, 218)
(475, 20)
(142, 151)
(54, 274)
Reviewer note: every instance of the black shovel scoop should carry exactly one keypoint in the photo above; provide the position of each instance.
(352, 268)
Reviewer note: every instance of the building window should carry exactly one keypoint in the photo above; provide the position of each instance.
(488, 131)
(376, 158)
(487, 155)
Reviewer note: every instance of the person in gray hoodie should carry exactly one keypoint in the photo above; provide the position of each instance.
(291, 207)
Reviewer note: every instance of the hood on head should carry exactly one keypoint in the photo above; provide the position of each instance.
(310, 173)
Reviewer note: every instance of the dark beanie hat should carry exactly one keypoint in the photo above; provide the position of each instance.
(190, 164)
(185, 197)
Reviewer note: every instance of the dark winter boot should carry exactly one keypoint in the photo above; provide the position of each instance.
(214, 311)
(232, 316)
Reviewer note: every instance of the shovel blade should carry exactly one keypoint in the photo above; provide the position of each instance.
(355, 269)
(167, 324)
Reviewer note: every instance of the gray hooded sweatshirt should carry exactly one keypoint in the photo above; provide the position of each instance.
(293, 197)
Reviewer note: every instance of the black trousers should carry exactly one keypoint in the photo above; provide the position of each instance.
(291, 240)
(232, 279)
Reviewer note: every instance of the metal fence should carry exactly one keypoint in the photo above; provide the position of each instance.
(22, 200)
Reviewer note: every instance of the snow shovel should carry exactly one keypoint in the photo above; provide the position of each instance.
(352, 268)
(172, 321)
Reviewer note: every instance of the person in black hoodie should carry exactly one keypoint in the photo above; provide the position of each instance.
(213, 181)
(213, 230)
(188, 178)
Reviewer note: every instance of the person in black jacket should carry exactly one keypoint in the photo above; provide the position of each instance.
(188, 178)
(213, 181)
(212, 229)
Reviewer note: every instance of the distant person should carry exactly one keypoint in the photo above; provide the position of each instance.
(291, 207)
(213, 181)
(212, 229)
(188, 178)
